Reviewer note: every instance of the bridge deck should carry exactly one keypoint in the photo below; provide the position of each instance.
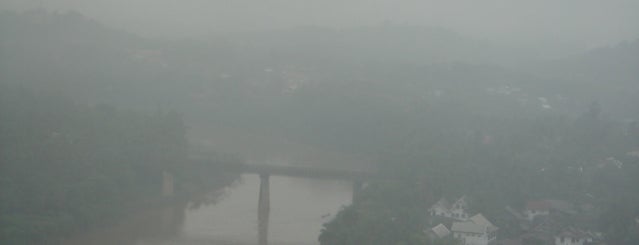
(293, 171)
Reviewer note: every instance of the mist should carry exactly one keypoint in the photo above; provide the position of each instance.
(319, 122)
(586, 24)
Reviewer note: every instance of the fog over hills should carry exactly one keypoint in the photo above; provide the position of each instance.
(143, 113)
(561, 25)
(306, 76)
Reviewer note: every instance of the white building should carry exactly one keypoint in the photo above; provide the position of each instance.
(440, 208)
(458, 210)
(573, 237)
(475, 231)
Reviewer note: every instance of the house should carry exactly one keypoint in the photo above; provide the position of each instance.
(477, 230)
(440, 208)
(536, 208)
(438, 232)
(457, 210)
(546, 207)
(573, 236)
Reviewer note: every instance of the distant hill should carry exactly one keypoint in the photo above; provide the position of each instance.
(64, 52)
(384, 43)
(355, 88)
(608, 74)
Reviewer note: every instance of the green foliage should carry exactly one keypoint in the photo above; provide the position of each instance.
(370, 225)
(66, 166)
(388, 213)
(432, 122)
(583, 160)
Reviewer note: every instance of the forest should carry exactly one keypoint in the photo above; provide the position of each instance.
(91, 117)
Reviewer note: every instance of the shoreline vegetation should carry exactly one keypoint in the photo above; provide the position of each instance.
(91, 118)
(69, 168)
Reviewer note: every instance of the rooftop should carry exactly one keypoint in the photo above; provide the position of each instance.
(468, 227)
(481, 220)
(440, 230)
(476, 224)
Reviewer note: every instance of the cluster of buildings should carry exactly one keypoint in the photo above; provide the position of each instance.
(555, 222)
(469, 230)
(543, 222)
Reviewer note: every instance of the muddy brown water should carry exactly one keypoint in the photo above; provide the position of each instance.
(299, 207)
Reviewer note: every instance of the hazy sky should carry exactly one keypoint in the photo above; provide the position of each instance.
(583, 22)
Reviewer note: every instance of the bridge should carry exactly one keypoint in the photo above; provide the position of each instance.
(358, 177)
(292, 171)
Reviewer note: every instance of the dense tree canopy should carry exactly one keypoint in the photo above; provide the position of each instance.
(65, 166)
(446, 121)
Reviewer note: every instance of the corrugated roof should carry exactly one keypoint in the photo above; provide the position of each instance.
(440, 230)
(481, 220)
(476, 224)
(468, 227)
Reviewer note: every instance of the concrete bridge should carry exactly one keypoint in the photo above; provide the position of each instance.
(358, 177)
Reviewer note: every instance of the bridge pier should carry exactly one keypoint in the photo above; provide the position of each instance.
(357, 191)
(263, 209)
(265, 171)
(168, 184)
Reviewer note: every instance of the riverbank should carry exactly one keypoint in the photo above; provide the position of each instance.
(151, 219)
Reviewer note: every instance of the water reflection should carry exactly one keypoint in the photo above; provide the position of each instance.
(156, 223)
(299, 207)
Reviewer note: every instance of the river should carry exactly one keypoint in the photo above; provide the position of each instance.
(299, 207)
